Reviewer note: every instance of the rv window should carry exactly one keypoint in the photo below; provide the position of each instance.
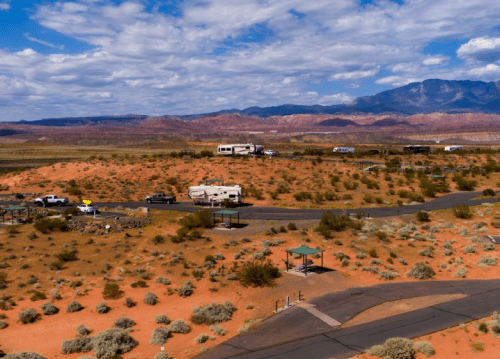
(225, 192)
(247, 148)
(232, 196)
(215, 194)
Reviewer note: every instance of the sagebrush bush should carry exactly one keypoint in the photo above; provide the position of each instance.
(102, 308)
(78, 345)
(217, 329)
(74, 306)
(82, 330)
(163, 280)
(399, 348)
(124, 322)
(24, 355)
(162, 319)
(30, 315)
(47, 224)
(150, 298)
(3, 324)
(111, 342)
(420, 271)
(425, 348)
(202, 338)
(186, 289)
(159, 336)
(129, 302)
(161, 355)
(179, 326)
(462, 211)
(213, 313)
(258, 274)
(49, 309)
(469, 249)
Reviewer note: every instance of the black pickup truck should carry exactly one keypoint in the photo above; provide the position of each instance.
(160, 198)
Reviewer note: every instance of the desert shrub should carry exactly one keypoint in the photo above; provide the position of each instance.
(399, 348)
(111, 342)
(385, 274)
(162, 280)
(483, 327)
(159, 336)
(179, 326)
(461, 272)
(213, 313)
(428, 252)
(423, 216)
(469, 249)
(24, 355)
(49, 309)
(462, 211)
(48, 224)
(150, 298)
(487, 261)
(186, 289)
(425, 348)
(201, 219)
(202, 338)
(102, 308)
(373, 253)
(37, 296)
(3, 324)
(73, 306)
(30, 315)
(258, 273)
(111, 291)
(303, 195)
(464, 184)
(488, 246)
(158, 239)
(420, 271)
(78, 345)
(82, 330)
(217, 329)
(162, 319)
(124, 322)
(162, 355)
(139, 283)
(488, 192)
(291, 226)
(129, 302)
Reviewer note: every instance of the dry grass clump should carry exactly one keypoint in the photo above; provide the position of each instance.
(159, 336)
(202, 338)
(124, 322)
(24, 355)
(74, 306)
(162, 319)
(150, 298)
(78, 345)
(161, 355)
(425, 348)
(217, 329)
(3, 324)
(129, 302)
(395, 348)
(213, 313)
(420, 271)
(30, 315)
(49, 309)
(186, 289)
(102, 308)
(179, 326)
(82, 330)
(111, 342)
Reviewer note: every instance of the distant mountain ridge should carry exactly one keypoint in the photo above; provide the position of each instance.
(424, 97)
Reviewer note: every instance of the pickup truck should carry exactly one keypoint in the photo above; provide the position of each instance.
(51, 200)
(160, 198)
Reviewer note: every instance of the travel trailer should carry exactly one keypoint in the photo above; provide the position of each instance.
(417, 149)
(453, 148)
(214, 194)
(240, 149)
(344, 149)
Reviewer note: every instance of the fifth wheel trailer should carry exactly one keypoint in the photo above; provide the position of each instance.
(240, 149)
(214, 194)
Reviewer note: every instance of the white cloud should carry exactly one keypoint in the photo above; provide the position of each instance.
(4, 7)
(484, 49)
(46, 43)
(149, 62)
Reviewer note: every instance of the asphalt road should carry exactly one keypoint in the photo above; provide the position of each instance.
(296, 334)
(276, 213)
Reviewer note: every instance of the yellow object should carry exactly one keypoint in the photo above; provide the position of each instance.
(86, 201)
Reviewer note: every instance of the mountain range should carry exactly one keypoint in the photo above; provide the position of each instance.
(429, 96)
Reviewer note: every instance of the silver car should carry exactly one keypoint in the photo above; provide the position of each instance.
(87, 208)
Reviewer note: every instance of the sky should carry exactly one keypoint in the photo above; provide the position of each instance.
(174, 57)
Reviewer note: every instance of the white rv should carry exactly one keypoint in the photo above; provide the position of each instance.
(344, 149)
(214, 194)
(453, 148)
(239, 149)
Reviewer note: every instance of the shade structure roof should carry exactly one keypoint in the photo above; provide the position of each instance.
(14, 208)
(226, 211)
(304, 250)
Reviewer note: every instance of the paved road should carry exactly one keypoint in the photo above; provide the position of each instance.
(296, 333)
(276, 213)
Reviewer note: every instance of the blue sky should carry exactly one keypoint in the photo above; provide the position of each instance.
(111, 57)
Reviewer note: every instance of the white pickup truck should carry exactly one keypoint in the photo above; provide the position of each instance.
(51, 200)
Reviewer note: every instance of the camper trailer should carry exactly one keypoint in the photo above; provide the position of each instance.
(453, 148)
(214, 194)
(240, 149)
(344, 149)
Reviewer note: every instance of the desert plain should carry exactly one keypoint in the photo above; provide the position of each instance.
(120, 261)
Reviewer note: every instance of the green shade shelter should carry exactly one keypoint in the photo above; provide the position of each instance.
(304, 251)
(214, 180)
(229, 213)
